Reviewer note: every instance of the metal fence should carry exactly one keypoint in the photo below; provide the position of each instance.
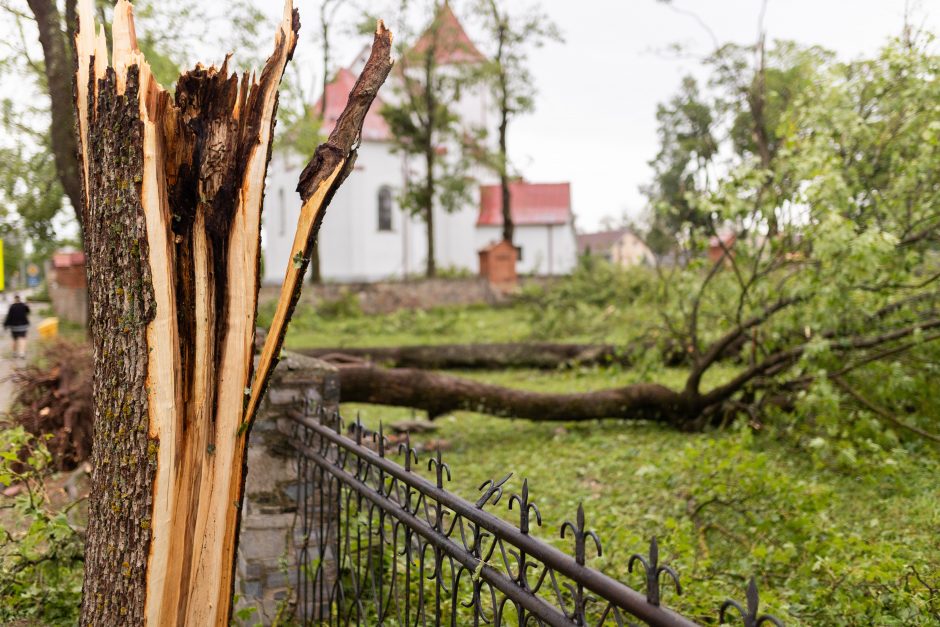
(382, 545)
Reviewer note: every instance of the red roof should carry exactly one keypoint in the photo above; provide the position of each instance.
(530, 203)
(453, 44)
(68, 259)
(337, 93)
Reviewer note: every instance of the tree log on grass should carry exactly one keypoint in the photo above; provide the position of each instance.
(688, 408)
(173, 187)
(439, 394)
(538, 355)
(501, 356)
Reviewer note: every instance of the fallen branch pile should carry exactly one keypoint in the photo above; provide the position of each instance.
(56, 401)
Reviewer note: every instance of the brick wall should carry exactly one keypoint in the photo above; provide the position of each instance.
(68, 291)
(69, 303)
(270, 530)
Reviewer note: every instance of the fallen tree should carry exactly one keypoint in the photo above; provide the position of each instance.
(538, 355)
(764, 382)
(508, 355)
(172, 195)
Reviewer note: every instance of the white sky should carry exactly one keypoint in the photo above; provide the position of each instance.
(594, 123)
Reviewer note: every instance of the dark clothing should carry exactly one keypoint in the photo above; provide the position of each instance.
(17, 319)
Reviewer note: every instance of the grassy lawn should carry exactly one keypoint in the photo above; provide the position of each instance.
(451, 325)
(831, 543)
(825, 544)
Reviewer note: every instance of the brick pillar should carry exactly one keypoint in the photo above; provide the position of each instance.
(266, 568)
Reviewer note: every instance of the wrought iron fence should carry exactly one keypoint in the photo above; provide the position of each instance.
(382, 545)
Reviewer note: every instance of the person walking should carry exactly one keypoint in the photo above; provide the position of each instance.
(17, 321)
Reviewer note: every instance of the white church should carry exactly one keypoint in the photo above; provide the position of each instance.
(366, 236)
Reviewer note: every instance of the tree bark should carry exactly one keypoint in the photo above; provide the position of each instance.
(430, 156)
(439, 394)
(58, 66)
(537, 355)
(172, 212)
(543, 356)
(508, 226)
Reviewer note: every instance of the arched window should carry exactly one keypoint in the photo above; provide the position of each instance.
(385, 208)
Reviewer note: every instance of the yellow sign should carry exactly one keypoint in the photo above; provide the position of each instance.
(1, 266)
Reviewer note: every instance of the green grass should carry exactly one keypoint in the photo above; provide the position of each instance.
(439, 326)
(453, 325)
(828, 547)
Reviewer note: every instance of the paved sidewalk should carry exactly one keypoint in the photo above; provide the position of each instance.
(8, 363)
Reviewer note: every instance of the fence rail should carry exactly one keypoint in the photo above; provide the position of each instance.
(382, 545)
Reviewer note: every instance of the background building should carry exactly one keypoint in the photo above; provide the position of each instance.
(367, 236)
(544, 225)
(620, 246)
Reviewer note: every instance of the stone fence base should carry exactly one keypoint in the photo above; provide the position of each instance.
(266, 572)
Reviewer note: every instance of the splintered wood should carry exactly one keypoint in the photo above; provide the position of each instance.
(173, 190)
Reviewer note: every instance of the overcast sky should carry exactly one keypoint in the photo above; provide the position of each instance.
(594, 123)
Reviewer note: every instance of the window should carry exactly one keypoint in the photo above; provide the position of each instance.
(385, 208)
(518, 253)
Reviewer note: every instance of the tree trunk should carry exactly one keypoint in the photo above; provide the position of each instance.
(439, 394)
(58, 66)
(315, 276)
(431, 267)
(508, 226)
(538, 355)
(172, 214)
(430, 156)
(543, 356)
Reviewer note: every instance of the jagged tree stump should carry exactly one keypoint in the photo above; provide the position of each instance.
(173, 189)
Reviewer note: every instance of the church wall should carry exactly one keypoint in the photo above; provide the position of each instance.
(546, 250)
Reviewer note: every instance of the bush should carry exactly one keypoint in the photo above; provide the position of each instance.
(40, 553)
(346, 306)
(53, 400)
(591, 302)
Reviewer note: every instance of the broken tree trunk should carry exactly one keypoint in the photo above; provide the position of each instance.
(172, 214)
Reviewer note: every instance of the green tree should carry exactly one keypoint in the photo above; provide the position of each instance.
(425, 126)
(42, 176)
(738, 118)
(509, 79)
(682, 166)
(822, 314)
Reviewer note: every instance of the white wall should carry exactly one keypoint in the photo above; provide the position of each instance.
(546, 250)
(352, 248)
(279, 215)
